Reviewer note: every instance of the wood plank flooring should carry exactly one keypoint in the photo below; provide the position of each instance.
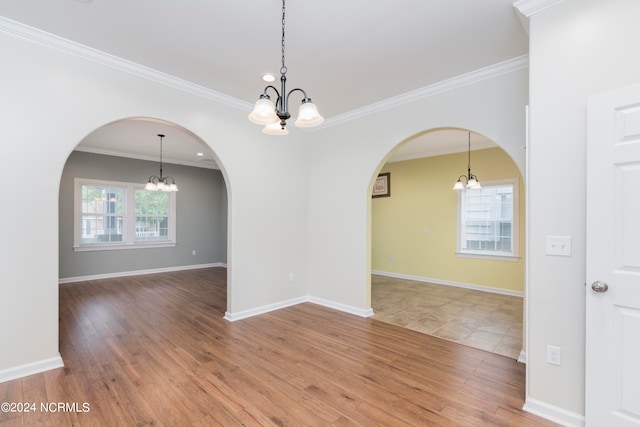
(155, 350)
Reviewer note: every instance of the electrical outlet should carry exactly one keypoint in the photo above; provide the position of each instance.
(291, 277)
(193, 252)
(553, 355)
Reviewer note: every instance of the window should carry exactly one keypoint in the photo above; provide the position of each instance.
(152, 215)
(117, 215)
(488, 220)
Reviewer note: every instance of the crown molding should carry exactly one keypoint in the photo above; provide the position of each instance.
(485, 73)
(438, 152)
(205, 163)
(25, 32)
(531, 7)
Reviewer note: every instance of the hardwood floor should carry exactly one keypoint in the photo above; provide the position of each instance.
(155, 350)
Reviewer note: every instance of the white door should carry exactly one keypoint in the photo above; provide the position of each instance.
(613, 259)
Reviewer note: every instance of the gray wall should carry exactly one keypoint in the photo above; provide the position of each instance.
(201, 222)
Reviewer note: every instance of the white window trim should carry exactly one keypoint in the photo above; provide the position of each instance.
(129, 203)
(514, 256)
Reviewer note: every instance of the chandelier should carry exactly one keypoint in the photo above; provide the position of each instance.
(470, 179)
(160, 183)
(274, 116)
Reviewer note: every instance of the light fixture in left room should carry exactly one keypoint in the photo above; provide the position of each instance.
(161, 183)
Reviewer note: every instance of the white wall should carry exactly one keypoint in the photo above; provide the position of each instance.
(50, 101)
(577, 48)
(347, 157)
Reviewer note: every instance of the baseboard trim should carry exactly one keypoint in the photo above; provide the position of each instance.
(232, 317)
(139, 272)
(31, 368)
(553, 413)
(523, 357)
(449, 283)
(342, 307)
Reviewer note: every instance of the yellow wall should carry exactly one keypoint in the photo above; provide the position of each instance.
(422, 196)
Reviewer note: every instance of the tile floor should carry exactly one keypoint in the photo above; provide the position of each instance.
(484, 320)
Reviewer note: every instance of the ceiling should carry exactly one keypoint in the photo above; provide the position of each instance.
(346, 55)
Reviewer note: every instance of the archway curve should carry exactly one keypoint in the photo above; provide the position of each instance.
(136, 137)
(479, 141)
(404, 142)
(477, 144)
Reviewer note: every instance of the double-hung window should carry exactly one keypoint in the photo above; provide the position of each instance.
(488, 220)
(120, 215)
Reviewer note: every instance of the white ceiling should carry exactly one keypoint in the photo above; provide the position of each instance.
(439, 142)
(345, 54)
(138, 138)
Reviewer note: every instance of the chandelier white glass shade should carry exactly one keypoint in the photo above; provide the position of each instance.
(275, 129)
(274, 116)
(470, 180)
(159, 182)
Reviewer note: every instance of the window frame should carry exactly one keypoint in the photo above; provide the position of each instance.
(129, 219)
(515, 225)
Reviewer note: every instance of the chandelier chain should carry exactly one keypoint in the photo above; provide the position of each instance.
(469, 155)
(161, 136)
(283, 69)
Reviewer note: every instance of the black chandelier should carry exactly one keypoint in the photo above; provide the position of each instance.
(274, 117)
(160, 183)
(470, 179)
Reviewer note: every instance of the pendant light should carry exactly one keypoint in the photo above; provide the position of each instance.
(471, 181)
(160, 183)
(274, 116)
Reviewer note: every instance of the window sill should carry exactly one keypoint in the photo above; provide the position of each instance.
(89, 248)
(509, 258)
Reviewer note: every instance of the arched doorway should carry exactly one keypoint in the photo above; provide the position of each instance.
(422, 279)
(125, 153)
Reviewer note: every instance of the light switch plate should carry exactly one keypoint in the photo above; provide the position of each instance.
(558, 245)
